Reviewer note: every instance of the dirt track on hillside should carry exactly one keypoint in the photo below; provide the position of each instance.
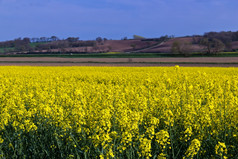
(51, 61)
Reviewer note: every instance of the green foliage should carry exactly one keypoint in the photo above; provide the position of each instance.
(138, 37)
(7, 50)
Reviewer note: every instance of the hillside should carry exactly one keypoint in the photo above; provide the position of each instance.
(212, 42)
(148, 46)
(111, 46)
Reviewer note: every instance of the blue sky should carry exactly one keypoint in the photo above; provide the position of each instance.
(115, 19)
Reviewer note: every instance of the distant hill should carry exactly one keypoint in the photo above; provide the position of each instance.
(211, 42)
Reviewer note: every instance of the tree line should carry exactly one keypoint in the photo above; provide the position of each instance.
(26, 40)
(211, 42)
(43, 43)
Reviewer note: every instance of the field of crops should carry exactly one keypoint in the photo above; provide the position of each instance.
(118, 112)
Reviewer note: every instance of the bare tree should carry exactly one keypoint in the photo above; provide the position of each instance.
(133, 46)
(212, 45)
(183, 48)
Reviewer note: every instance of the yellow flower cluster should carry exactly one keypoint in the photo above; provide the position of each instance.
(162, 138)
(193, 149)
(118, 112)
(221, 150)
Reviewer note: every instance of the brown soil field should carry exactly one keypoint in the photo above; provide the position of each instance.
(52, 61)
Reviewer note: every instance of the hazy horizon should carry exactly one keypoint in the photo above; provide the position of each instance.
(115, 19)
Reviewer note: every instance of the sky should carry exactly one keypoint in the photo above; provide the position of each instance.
(115, 19)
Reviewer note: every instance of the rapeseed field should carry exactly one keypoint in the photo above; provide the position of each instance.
(118, 112)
